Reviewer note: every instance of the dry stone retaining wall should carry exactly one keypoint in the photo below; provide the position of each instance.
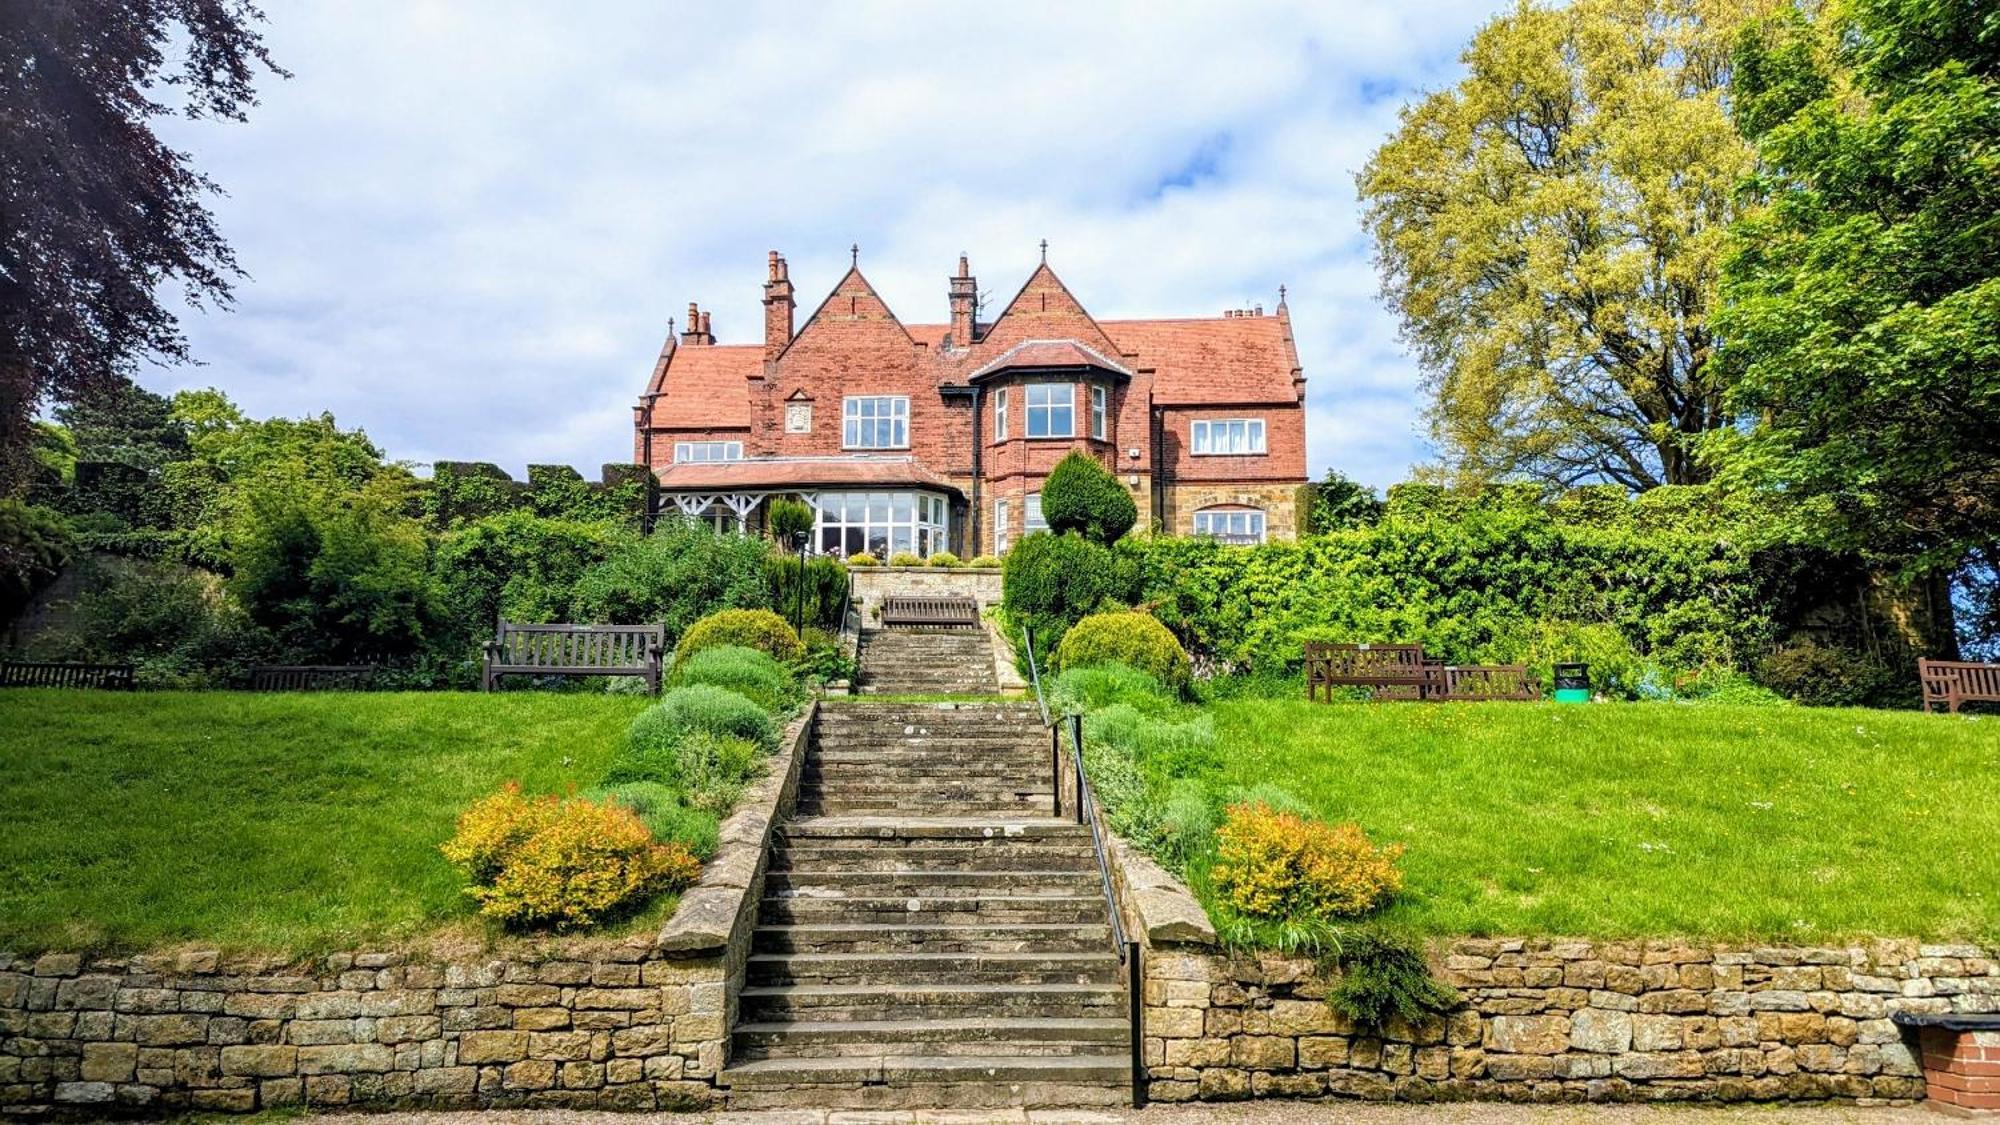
(1568, 1021)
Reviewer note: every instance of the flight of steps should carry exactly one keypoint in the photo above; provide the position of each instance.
(899, 661)
(930, 936)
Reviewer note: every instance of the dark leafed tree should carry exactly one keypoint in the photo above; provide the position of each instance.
(97, 215)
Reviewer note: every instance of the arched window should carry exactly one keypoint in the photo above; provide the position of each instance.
(1235, 524)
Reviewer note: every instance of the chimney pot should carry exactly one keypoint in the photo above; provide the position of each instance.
(774, 265)
(707, 336)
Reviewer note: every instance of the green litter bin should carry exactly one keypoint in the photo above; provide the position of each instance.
(1572, 683)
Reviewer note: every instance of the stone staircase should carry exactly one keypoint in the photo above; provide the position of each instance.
(930, 936)
(898, 661)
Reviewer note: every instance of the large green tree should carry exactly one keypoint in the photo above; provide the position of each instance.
(1861, 310)
(1550, 230)
(99, 218)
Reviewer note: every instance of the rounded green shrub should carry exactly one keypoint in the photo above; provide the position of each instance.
(944, 558)
(1126, 637)
(671, 820)
(983, 562)
(760, 629)
(746, 671)
(1052, 581)
(1819, 675)
(652, 750)
(905, 558)
(1081, 495)
(863, 558)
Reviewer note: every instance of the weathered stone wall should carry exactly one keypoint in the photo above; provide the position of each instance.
(624, 1028)
(638, 1023)
(873, 583)
(1569, 1021)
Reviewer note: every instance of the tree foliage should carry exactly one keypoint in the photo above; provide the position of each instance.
(1862, 305)
(1550, 230)
(97, 215)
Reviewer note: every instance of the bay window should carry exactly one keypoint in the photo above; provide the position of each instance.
(1051, 410)
(881, 523)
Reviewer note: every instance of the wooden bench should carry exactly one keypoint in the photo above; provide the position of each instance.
(1952, 682)
(1403, 672)
(311, 677)
(576, 650)
(935, 613)
(1388, 671)
(66, 674)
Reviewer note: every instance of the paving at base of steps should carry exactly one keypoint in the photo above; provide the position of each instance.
(1262, 1113)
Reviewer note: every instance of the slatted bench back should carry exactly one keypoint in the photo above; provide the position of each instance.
(311, 677)
(1952, 682)
(1393, 671)
(576, 650)
(66, 674)
(930, 612)
(1487, 681)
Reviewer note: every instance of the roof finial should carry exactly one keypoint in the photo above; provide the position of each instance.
(1045, 251)
(670, 326)
(1281, 294)
(854, 255)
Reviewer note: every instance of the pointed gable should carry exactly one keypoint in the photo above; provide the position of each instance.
(1044, 309)
(853, 315)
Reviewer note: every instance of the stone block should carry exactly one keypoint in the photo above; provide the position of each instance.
(346, 1058)
(541, 1019)
(237, 1100)
(1656, 1033)
(1593, 1029)
(260, 1061)
(1262, 1052)
(530, 1074)
(448, 1081)
(527, 995)
(1528, 1035)
(492, 1046)
(109, 1062)
(407, 1029)
(1174, 1023)
(328, 1089)
(1221, 1084)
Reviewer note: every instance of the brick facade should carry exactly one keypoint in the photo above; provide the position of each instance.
(783, 399)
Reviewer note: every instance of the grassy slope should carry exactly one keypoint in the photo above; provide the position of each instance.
(292, 822)
(1653, 819)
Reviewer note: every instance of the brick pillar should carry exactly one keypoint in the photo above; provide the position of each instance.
(1962, 1070)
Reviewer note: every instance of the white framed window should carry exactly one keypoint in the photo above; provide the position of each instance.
(875, 422)
(1240, 526)
(1098, 411)
(1051, 409)
(1001, 510)
(1228, 436)
(685, 451)
(880, 523)
(1000, 414)
(1031, 515)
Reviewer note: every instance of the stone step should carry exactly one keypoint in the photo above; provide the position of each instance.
(933, 969)
(983, 857)
(850, 1038)
(839, 711)
(939, 768)
(818, 882)
(858, 799)
(874, 937)
(905, 1082)
(942, 909)
(930, 828)
(783, 1002)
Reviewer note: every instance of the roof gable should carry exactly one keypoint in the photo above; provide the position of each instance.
(1044, 309)
(856, 313)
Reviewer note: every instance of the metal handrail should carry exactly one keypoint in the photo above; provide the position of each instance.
(1088, 813)
(846, 599)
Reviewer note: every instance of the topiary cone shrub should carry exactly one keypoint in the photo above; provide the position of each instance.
(1081, 495)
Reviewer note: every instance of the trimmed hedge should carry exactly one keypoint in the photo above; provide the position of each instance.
(747, 671)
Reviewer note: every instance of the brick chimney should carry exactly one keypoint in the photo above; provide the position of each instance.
(777, 308)
(696, 331)
(964, 305)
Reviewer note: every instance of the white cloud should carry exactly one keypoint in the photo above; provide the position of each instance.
(467, 223)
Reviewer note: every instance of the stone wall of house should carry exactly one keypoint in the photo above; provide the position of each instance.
(621, 1028)
(1554, 1020)
(1278, 501)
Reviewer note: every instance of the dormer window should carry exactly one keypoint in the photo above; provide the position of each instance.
(1051, 410)
(876, 422)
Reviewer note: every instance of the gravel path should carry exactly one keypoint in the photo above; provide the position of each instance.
(1263, 1113)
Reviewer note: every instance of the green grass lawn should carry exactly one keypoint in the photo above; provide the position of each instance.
(1652, 819)
(294, 822)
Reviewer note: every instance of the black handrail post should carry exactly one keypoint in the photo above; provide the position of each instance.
(1076, 741)
(1135, 982)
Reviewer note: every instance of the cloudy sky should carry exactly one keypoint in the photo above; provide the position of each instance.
(466, 223)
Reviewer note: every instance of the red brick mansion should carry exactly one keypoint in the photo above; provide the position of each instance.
(933, 437)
